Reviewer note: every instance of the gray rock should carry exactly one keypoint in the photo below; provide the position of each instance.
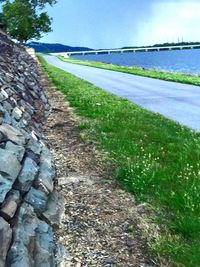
(37, 199)
(7, 118)
(27, 107)
(9, 91)
(6, 236)
(7, 106)
(33, 156)
(9, 206)
(27, 175)
(21, 251)
(34, 145)
(62, 256)
(47, 172)
(1, 118)
(24, 123)
(4, 94)
(25, 134)
(2, 110)
(43, 98)
(17, 150)
(8, 77)
(54, 209)
(9, 164)
(17, 113)
(1, 97)
(27, 116)
(44, 246)
(2, 137)
(13, 101)
(9, 170)
(17, 124)
(13, 134)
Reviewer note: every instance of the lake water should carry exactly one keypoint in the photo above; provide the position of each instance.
(185, 61)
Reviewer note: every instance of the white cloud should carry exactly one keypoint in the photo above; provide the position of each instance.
(172, 21)
(190, 11)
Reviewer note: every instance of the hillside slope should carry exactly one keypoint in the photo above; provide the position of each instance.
(53, 48)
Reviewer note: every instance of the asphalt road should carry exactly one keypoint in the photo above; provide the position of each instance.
(176, 101)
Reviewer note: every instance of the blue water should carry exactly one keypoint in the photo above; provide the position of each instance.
(185, 61)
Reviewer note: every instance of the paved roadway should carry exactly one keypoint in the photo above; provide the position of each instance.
(176, 101)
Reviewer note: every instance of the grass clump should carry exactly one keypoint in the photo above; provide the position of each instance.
(156, 159)
(167, 76)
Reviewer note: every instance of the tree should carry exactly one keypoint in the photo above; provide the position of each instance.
(25, 19)
(2, 20)
(40, 3)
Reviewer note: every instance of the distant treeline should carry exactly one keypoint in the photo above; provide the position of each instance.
(163, 45)
(55, 48)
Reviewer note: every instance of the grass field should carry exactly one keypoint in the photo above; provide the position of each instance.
(167, 76)
(155, 159)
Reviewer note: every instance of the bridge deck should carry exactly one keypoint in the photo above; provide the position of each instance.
(109, 51)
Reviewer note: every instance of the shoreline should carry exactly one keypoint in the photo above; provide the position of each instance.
(155, 74)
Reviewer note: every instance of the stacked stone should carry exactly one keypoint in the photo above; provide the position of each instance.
(27, 196)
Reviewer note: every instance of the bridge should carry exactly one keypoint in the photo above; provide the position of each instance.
(127, 50)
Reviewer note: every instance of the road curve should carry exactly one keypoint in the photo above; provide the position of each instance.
(176, 101)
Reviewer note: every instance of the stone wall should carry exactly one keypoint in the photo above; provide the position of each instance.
(27, 197)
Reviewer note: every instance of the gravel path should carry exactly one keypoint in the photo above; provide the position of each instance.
(100, 225)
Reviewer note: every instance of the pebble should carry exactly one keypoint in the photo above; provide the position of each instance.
(130, 243)
(109, 261)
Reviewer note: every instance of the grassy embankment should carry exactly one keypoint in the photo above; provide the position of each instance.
(156, 159)
(167, 76)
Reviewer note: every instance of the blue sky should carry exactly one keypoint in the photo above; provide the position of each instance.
(118, 23)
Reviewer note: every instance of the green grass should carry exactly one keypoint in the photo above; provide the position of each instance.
(155, 159)
(167, 76)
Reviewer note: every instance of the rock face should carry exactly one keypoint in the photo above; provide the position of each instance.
(6, 235)
(27, 193)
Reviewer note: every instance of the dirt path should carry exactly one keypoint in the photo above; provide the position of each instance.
(100, 226)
